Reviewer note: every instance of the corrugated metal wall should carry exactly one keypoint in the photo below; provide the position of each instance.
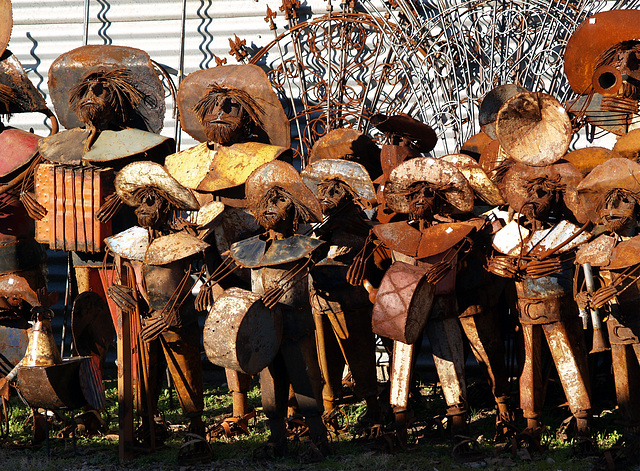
(45, 29)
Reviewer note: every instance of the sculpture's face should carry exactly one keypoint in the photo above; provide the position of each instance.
(540, 201)
(152, 210)
(331, 193)
(224, 121)
(276, 211)
(618, 213)
(422, 201)
(95, 107)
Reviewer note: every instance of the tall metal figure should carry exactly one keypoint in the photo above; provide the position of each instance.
(610, 194)
(342, 312)
(156, 290)
(539, 247)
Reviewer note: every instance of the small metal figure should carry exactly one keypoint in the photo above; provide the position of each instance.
(157, 259)
(539, 244)
(342, 312)
(279, 261)
(610, 195)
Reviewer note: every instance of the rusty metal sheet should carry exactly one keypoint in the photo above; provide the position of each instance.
(6, 24)
(401, 367)
(65, 147)
(508, 240)
(172, 247)
(18, 148)
(491, 104)
(491, 157)
(27, 98)
(609, 113)
(12, 284)
(91, 325)
(625, 254)
(551, 286)
(429, 170)
(131, 244)
(240, 333)
(352, 173)
(588, 158)
(138, 175)
(475, 145)
(544, 240)
(231, 165)
(13, 346)
(593, 37)
(208, 213)
(483, 187)
(251, 79)
(72, 66)
(403, 238)
(628, 145)
(534, 128)
(403, 303)
(597, 252)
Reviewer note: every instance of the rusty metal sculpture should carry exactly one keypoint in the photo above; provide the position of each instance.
(418, 291)
(601, 64)
(152, 295)
(342, 313)
(610, 195)
(538, 248)
(279, 261)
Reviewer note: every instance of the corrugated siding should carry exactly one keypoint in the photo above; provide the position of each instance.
(45, 29)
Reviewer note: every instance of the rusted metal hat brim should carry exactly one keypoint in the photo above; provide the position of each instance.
(422, 134)
(588, 158)
(594, 36)
(251, 79)
(475, 145)
(283, 175)
(628, 145)
(514, 185)
(150, 174)
(15, 285)
(625, 254)
(131, 244)
(615, 173)
(6, 24)
(18, 148)
(534, 128)
(71, 67)
(479, 181)
(491, 104)
(27, 98)
(352, 173)
(172, 247)
(429, 170)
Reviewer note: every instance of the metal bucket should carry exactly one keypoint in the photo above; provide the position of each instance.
(403, 303)
(240, 333)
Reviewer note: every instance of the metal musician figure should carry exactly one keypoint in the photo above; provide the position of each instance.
(280, 261)
(342, 312)
(155, 288)
(538, 248)
(610, 196)
(240, 123)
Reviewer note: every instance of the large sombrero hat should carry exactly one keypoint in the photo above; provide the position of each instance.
(282, 175)
(351, 173)
(348, 144)
(443, 174)
(250, 78)
(515, 181)
(422, 135)
(534, 128)
(491, 104)
(590, 40)
(150, 174)
(479, 181)
(73, 66)
(616, 173)
(6, 24)
(628, 145)
(25, 97)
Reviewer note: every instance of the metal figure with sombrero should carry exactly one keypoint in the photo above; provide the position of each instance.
(417, 292)
(154, 264)
(538, 250)
(610, 194)
(280, 261)
(342, 312)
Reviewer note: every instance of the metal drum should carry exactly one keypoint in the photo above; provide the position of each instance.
(240, 333)
(403, 303)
